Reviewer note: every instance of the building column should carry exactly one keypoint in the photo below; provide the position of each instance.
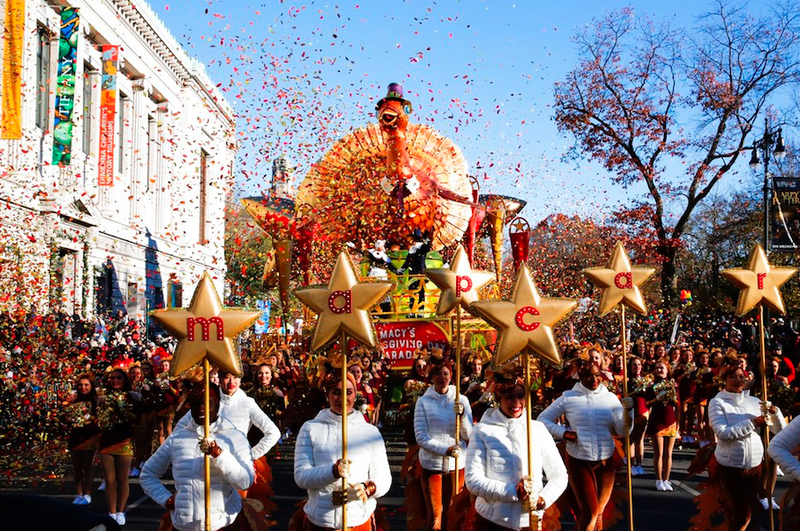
(139, 150)
(162, 167)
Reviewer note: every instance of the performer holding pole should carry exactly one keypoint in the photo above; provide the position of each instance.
(460, 286)
(525, 324)
(620, 284)
(498, 440)
(343, 307)
(205, 331)
(435, 415)
(759, 283)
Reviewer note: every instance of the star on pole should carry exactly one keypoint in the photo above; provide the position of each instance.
(759, 282)
(525, 322)
(459, 284)
(620, 282)
(344, 304)
(205, 330)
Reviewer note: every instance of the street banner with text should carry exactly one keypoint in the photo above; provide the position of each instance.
(108, 103)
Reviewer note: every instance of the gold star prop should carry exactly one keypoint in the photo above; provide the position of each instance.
(344, 304)
(759, 283)
(205, 329)
(525, 322)
(620, 282)
(459, 284)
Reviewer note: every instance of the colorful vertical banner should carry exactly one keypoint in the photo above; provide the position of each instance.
(108, 105)
(262, 324)
(65, 86)
(11, 127)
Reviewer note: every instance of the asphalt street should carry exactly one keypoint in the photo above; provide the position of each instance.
(654, 511)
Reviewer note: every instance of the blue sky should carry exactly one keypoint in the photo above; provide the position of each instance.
(481, 72)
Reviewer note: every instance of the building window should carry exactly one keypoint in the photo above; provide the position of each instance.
(89, 76)
(43, 79)
(203, 176)
(122, 119)
(175, 292)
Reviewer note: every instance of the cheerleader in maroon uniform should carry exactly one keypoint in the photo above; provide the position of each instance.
(82, 443)
(116, 412)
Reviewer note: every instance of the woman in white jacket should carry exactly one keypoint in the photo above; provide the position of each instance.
(243, 412)
(319, 469)
(781, 447)
(231, 469)
(594, 415)
(435, 428)
(736, 416)
(497, 462)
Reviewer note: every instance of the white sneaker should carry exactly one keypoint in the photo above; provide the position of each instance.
(775, 505)
(780, 472)
(763, 502)
(667, 486)
(659, 485)
(640, 470)
(78, 500)
(120, 518)
(87, 499)
(634, 470)
(102, 487)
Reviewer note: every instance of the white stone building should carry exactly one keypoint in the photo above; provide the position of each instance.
(67, 243)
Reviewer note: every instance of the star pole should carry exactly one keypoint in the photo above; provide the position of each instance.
(620, 284)
(759, 285)
(525, 325)
(460, 285)
(205, 310)
(343, 307)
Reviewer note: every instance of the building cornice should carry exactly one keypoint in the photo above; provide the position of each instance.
(188, 70)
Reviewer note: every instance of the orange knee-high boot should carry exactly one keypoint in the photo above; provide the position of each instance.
(435, 501)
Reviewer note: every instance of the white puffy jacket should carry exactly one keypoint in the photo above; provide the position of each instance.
(594, 415)
(243, 412)
(319, 446)
(231, 471)
(780, 449)
(739, 442)
(497, 459)
(435, 427)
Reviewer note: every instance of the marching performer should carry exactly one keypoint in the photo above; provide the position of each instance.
(319, 469)
(231, 468)
(497, 465)
(780, 449)
(243, 412)
(735, 417)
(594, 415)
(435, 426)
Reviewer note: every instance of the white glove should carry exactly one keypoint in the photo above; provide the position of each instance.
(458, 409)
(627, 402)
(765, 405)
(342, 468)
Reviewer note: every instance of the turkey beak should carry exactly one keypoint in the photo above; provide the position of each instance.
(389, 117)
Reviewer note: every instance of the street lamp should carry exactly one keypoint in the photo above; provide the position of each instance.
(762, 147)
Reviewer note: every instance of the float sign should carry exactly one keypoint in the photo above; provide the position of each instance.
(401, 339)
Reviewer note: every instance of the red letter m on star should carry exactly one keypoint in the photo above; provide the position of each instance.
(205, 325)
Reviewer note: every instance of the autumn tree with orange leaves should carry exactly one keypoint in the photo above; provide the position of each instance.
(674, 109)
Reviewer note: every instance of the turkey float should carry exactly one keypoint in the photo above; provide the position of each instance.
(387, 181)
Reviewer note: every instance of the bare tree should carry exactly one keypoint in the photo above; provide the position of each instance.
(673, 109)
